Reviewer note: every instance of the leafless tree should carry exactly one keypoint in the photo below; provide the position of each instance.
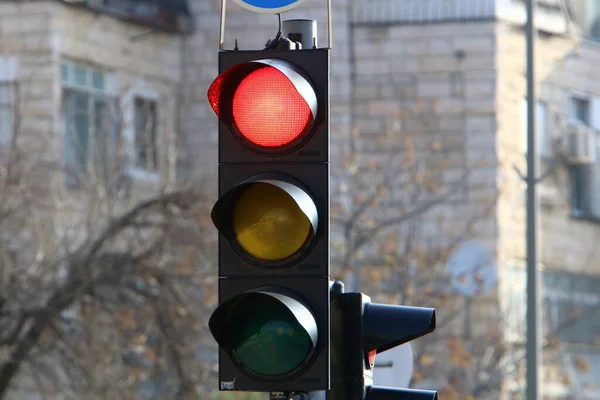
(404, 199)
(106, 283)
(405, 195)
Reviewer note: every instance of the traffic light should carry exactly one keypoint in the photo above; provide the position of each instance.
(272, 214)
(362, 330)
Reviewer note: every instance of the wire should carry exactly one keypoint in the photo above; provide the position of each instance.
(272, 43)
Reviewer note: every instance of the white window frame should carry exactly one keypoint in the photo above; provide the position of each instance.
(583, 211)
(110, 79)
(109, 90)
(571, 111)
(560, 296)
(543, 140)
(514, 280)
(128, 107)
(9, 81)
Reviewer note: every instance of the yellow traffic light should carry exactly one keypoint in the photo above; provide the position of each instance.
(268, 223)
(270, 219)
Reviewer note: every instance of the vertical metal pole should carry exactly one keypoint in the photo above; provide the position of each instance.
(329, 26)
(533, 352)
(222, 28)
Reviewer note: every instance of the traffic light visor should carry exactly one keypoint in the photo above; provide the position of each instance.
(385, 393)
(267, 332)
(269, 103)
(386, 326)
(270, 220)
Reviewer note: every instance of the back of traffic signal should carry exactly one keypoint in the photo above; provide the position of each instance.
(279, 325)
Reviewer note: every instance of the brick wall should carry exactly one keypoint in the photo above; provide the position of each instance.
(25, 38)
(142, 61)
(39, 35)
(564, 243)
(449, 68)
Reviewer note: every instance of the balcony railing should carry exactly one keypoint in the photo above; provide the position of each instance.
(549, 16)
(413, 11)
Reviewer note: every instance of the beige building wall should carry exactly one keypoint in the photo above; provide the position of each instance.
(483, 119)
(26, 51)
(145, 63)
(448, 68)
(36, 37)
(565, 242)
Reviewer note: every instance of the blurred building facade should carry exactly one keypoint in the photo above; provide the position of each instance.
(63, 66)
(470, 56)
(79, 85)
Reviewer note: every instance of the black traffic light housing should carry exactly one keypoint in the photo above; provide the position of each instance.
(362, 329)
(271, 305)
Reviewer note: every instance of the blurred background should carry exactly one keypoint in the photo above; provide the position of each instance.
(108, 156)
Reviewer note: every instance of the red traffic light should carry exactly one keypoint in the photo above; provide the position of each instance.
(269, 103)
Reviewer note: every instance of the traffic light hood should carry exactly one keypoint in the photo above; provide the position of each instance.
(384, 393)
(387, 326)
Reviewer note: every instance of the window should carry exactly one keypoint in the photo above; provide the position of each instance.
(573, 306)
(514, 282)
(8, 92)
(142, 133)
(146, 145)
(579, 188)
(542, 139)
(570, 304)
(579, 110)
(90, 117)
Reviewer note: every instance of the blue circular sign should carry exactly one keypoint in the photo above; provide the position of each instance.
(269, 6)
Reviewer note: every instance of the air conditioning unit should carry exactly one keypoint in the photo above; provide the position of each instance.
(581, 147)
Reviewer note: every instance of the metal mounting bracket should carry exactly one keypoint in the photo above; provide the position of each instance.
(223, 18)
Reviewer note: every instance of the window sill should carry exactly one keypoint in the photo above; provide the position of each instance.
(141, 175)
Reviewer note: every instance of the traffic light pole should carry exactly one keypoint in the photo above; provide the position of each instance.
(533, 348)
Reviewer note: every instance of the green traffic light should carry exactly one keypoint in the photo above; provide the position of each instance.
(268, 332)
(268, 339)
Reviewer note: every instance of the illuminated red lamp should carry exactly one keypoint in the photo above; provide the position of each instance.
(268, 103)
